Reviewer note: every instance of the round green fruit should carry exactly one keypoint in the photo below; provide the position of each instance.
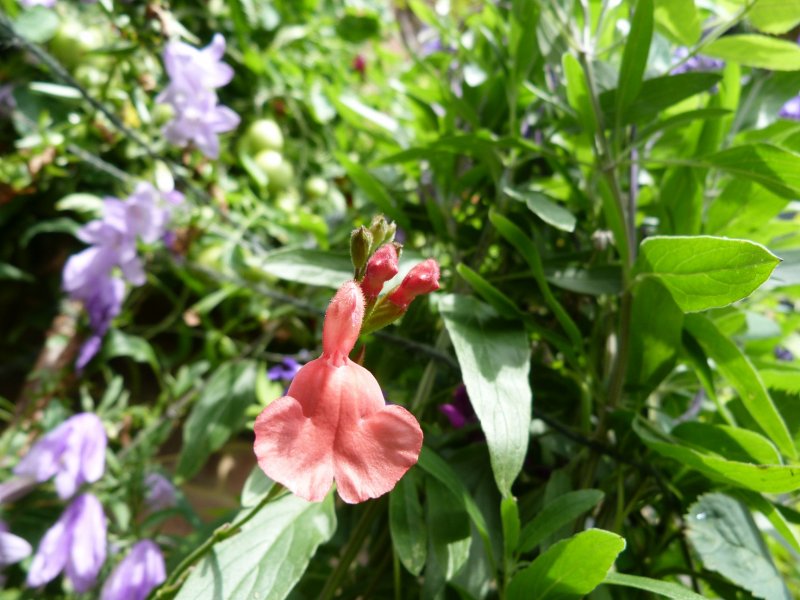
(315, 187)
(264, 134)
(73, 41)
(279, 172)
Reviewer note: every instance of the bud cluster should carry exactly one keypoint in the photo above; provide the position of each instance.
(375, 257)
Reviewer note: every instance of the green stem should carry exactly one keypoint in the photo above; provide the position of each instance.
(350, 550)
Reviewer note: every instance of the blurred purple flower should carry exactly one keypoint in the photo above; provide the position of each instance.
(137, 575)
(783, 354)
(30, 3)
(76, 544)
(74, 452)
(791, 110)
(200, 122)
(459, 412)
(194, 75)
(160, 493)
(12, 547)
(284, 371)
(695, 63)
(7, 100)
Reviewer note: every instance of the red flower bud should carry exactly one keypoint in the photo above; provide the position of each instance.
(422, 279)
(360, 64)
(380, 269)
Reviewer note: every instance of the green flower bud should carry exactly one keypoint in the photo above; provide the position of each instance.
(360, 246)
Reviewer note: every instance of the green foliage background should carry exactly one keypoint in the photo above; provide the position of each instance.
(620, 261)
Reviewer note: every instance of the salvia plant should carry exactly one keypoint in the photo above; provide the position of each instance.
(407, 299)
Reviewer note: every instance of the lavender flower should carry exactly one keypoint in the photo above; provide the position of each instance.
(160, 492)
(783, 354)
(284, 371)
(194, 75)
(791, 110)
(137, 575)
(12, 547)
(695, 63)
(76, 545)
(74, 453)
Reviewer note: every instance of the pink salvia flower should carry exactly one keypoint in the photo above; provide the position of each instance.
(382, 266)
(422, 279)
(333, 423)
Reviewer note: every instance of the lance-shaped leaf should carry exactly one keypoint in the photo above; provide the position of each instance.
(494, 356)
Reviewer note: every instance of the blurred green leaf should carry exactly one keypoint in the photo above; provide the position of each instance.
(495, 362)
(37, 24)
(634, 56)
(118, 344)
(504, 306)
(218, 413)
(569, 569)
(679, 19)
(731, 443)
(703, 272)
(12, 273)
(723, 533)
(311, 267)
(578, 94)
(753, 50)
(734, 365)
(544, 208)
(85, 203)
(555, 515)
(268, 557)
(772, 479)
(407, 525)
(662, 588)
(775, 168)
(775, 16)
(374, 190)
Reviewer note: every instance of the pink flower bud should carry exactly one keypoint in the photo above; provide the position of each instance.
(422, 279)
(380, 269)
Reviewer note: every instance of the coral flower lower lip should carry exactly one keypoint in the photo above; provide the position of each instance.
(333, 423)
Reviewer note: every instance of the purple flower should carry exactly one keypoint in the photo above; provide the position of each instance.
(160, 492)
(200, 122)
(284, 371)
(12, 547)
(30, 3)
(695, 63)
(196, 69)
(74, 452)
(76, 544)
(194, 75)
(791, 110)
(783, 354)
(137, 575)
(460, 411)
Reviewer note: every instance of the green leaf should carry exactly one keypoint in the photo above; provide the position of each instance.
(753, 50)
(654, 342)
(775, 168)
(407, 524)
(703, 272)
(119, 344)
(37, 24)
(11, 273)
(768, 509)
(731, 443)
(256, 486)
(723, 533)
(742, 208)
(544, 208)
(495, 363)
(268, 557)
(594, 281)
(578, 94)
(218, 413)
(357, 26)
(678, 19)
(311, 267)
(734, 365)
(769, 479)
(681, 198)
(569, 569)
(557, 514)
(85, 203)
(499, 301)
(657, 94)
(775, 16)
(57, 225)
(373, 189)
(517, 238)
(509, 517)
(634, 57)
(662, 588)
